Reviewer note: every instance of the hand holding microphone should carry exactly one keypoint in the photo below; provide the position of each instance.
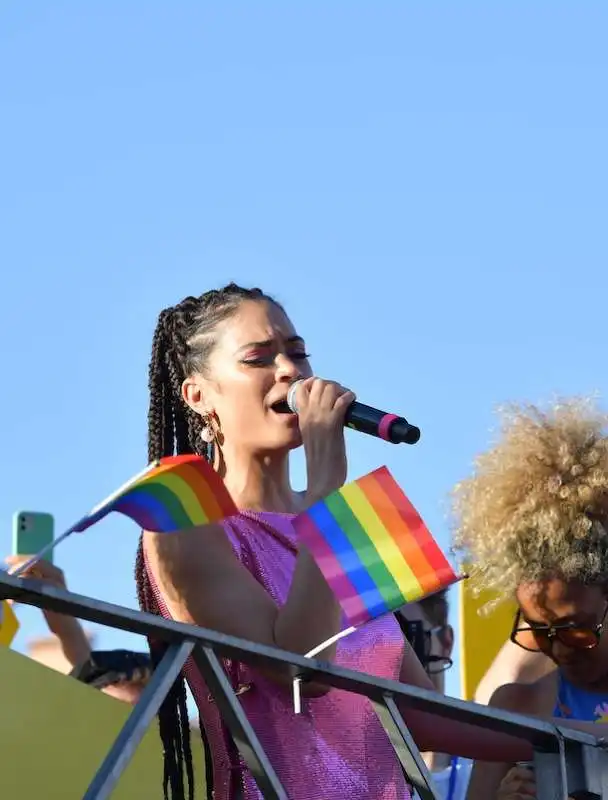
(362, 418)
(322, 406)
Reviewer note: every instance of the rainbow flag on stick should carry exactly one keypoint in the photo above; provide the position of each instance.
(373, 548)
(174, 493)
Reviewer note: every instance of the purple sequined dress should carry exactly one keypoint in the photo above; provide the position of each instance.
(336, 749)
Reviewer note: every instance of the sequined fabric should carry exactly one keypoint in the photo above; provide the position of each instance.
(336, 749)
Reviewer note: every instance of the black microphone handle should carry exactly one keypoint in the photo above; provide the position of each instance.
(374, 422)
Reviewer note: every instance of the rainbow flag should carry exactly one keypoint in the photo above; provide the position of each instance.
(373, 548)
(174, 493)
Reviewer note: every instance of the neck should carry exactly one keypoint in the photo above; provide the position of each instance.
(599, 686)
(259, 483)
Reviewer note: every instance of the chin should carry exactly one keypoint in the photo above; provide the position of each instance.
(284, 444)
(582, 672)
(294, 441)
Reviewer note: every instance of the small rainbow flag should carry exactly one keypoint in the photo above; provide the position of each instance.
(373, 548)
(174, 493)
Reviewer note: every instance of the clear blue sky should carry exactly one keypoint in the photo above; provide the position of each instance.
(422, 184)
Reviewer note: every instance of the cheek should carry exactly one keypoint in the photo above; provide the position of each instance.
(305, 369)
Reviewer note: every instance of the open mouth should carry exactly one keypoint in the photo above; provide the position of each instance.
(281, 407)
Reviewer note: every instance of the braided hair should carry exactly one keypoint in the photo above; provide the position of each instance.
(183, 341)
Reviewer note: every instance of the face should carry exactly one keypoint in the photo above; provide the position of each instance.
(580, 608)
(435, 643)
(257, 356)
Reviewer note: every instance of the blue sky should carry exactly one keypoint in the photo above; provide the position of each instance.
(423, 185)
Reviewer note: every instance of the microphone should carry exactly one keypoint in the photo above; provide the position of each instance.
(367, 419)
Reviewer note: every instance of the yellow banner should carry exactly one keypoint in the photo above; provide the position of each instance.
(56, 731)
(9, 624)
(481, 636)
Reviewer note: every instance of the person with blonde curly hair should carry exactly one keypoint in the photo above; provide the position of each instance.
(533, 521)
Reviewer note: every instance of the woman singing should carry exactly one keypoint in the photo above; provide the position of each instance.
(221, 367)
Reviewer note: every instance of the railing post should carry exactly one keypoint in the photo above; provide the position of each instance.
(595, 771)
(405, 747)
(123, 749)
(550, 775)
(586, 771)
(240, 728)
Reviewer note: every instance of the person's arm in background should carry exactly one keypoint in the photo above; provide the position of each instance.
(512, 665)
(444, 735)
(73, 640)
(68, 630)
(488, 780)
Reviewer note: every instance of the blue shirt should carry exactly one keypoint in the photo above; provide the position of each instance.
(575, 703)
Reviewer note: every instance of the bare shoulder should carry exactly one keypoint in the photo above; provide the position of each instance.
(203, 582)
(179, 555)
(534, 699)
(512, 664)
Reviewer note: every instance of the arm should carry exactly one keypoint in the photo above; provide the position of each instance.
(73, 639)
(444, 735)
(537, 700)
(512, 665)
(202, 582)
(68, 630)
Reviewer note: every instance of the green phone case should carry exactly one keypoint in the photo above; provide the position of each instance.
(32, 530)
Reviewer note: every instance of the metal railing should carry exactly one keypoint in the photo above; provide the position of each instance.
(567, 763)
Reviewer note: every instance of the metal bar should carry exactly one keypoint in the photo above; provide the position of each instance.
(32, 592)
(127, 741)
(595, 768)
(405, 748)
(239, 726)
(587, 772)
(550, 775)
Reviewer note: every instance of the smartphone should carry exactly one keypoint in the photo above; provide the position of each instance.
(32, 530)
(107, 667)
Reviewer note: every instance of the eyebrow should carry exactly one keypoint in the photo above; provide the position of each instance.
(270, 342)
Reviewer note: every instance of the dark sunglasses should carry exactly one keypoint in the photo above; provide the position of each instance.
(421, 640)
(570, 634)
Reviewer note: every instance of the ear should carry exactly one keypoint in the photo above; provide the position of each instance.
(194, 394)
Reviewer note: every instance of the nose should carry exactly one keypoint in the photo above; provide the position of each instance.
(287, 369)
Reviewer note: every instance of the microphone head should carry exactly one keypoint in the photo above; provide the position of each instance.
(291, 396)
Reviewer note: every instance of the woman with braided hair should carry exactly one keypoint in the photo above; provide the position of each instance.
(533, 519)
(221, 368)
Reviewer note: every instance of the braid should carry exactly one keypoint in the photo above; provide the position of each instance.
(182, 343)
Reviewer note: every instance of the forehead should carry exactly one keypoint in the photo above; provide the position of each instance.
(254, 321)
(556, 598)
(413, 612)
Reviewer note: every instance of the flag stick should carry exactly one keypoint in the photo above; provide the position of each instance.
(77, 525)
(297, 683)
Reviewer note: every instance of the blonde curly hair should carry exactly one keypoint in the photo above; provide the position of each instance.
(536, 505)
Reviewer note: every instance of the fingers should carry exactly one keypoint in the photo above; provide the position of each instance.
(323, 395)
(43, 570)
(517, 783)
(15, 562)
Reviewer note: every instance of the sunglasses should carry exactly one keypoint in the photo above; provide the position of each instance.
(421, 640)
(570, 634)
